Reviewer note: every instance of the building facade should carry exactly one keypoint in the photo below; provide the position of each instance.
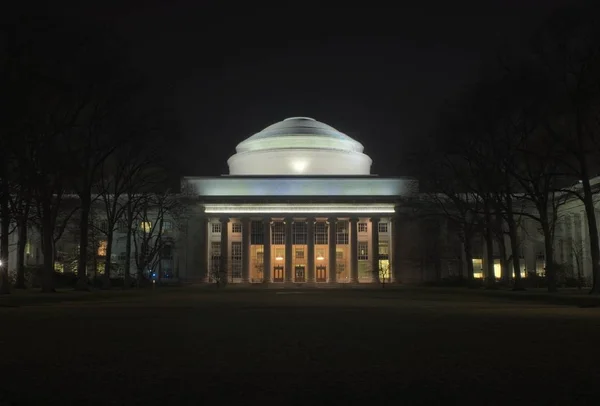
(299, 206)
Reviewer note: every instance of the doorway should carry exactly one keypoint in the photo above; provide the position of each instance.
(278, 274)
(321, 273)
(384, 270)
(300, 274)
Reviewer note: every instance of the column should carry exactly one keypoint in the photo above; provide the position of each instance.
(395, 250)
(267, 250)
(224, 263)
(375, 248)
(310, 249)
(332, 253)
(204, 247)
(354, 250)
(288, 249)
(246, 229)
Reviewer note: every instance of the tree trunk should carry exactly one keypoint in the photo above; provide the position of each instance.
(21, 244)
(47, 248)
(590, 212)
(82, 282)
(549, 253)
(489, 245)
(469, 261)
(4, 228)
(514, 245)
(107, 259)
(588, 203)
(128, 244)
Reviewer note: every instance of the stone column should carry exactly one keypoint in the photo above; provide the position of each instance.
(203, 249)
(354, 250)
(310, 249)
(267, 250)
(395, 250)
(224, 263)
(332, 252)
(246, 229)
(375, 249)
(289, 256)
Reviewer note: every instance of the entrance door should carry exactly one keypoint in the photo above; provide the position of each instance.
(299, 275)
(321, 273)
(278, 274)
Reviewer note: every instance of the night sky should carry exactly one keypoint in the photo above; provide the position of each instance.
(378, 75)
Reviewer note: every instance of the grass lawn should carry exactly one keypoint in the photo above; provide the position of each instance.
(392, 346)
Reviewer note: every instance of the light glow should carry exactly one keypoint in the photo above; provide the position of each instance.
(299, 165)
(298, 208)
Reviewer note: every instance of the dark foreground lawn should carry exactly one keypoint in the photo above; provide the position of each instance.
(193, 346)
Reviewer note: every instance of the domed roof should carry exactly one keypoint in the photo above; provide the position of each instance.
(297, 132)
(299, 146)
(300, 126)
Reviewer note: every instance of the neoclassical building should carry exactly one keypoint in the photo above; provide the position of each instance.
(299, 206)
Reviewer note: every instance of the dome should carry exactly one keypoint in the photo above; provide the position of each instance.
(299, 146)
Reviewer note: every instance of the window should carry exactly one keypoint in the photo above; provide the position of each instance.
(383, 227)
(299, 253)
(363, 250)
(384, 250)
(215, 256)
(320, 233)
(167, 225)
(101, 248)
(278, 233)
(341, 232)
(122, 226)
(260, 257)
(103, 226)
(362, 227)
(339, 255)
(257, 232)
(299, 232)
(236, 259)
(215, 228)
(146, 226)
(279, 254)
(236, 227)
(320, 254)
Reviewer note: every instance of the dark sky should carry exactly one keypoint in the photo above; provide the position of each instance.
(379, 75)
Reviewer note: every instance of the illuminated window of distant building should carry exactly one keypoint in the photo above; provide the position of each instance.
(383, 227)
(339, 255)
(341, 232)
(236, 227)
(279, 254)
(215, 227)
(102, 248)
(299, 253)
(477, 268)
(167, 225)
(146, 226)
(362, 227)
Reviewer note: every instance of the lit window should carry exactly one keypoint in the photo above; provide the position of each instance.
(362, 227)
(299, 253)
(383, 227)
(216, 228)
(363, 250)
(279, 254)
(477, 268)
(236, 227)
(167, 225)
(102, 248)
(339, 255)
(146, 226)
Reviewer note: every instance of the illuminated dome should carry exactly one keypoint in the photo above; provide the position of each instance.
(299, 146)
